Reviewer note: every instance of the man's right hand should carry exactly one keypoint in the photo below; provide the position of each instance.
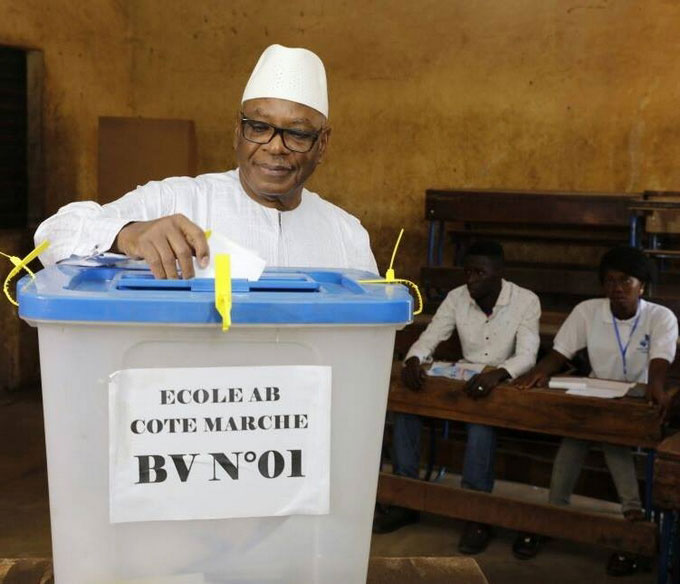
(162, 242)
(412, 374)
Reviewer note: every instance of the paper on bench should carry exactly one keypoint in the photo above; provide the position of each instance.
(591, 387)
(460, 370)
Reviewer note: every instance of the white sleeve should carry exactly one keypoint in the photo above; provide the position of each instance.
(572, 336)
(85, 228)
(355, 241)
(664, 336)
(364, 256)
(440, 328)
(527, 340)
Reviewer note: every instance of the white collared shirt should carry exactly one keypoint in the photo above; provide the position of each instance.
(507, 338)
(590, 325)
(314, 234)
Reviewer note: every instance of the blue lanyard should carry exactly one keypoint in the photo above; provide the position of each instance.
(623, 350)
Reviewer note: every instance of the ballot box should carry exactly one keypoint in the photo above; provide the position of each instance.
(182, 453)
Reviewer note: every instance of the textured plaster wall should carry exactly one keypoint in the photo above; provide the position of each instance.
(525, 94)
(88, 62)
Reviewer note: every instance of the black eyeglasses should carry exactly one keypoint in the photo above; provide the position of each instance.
(263, 133)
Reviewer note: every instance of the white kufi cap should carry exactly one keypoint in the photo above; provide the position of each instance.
(294, 74)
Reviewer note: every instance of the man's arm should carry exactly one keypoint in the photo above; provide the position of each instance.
(131, 225)
(363, 256)
(440, 328)
(527, 341)
(83, 229)
(164, 242)
(526, 347)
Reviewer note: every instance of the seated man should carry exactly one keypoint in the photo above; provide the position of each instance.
(497, 322)
(280, 136)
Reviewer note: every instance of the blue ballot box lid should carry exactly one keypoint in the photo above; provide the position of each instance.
(281, 296)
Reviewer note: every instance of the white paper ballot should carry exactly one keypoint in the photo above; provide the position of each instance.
(591, 387)
(245, 264)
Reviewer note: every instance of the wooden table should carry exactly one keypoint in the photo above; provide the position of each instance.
(667, 497)
(625, 421)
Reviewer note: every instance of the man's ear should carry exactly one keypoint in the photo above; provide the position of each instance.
(323, 144)
(237, 133)
(237, 128)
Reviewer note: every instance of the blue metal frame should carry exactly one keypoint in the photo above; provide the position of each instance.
(440, 249)
(674, 559)
(633, 238)
(666, 524)
(430, 244)
(649, 483)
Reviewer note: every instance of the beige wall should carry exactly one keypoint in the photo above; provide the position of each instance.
(87, 57)
(525, 94)
(521, 93)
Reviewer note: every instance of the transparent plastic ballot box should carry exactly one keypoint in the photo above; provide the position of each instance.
(94, 323)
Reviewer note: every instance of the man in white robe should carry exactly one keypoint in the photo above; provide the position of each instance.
(280, 137)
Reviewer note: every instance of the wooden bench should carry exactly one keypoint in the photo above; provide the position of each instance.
(545, 216)
(667, 474)
(542, 219)
(26, 571)
(666, 495)
(593, 222)
(627, 421)
(559, 288)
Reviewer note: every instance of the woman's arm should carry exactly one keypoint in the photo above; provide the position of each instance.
(656, 382)
(540, 374)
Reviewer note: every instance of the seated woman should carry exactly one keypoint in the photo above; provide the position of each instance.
(627, 339)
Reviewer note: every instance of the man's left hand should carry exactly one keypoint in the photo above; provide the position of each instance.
(481, 385)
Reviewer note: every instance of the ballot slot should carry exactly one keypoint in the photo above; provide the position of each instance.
(275, 283)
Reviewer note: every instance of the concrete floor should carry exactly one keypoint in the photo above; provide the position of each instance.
(24, 516)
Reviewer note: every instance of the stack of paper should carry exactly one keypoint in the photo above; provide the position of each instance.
(591, 387)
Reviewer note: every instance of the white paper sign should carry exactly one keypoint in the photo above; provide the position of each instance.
(219, 442)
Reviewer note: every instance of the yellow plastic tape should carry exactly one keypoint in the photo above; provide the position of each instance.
(21, 264)
(390, 279)
(223, 288)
